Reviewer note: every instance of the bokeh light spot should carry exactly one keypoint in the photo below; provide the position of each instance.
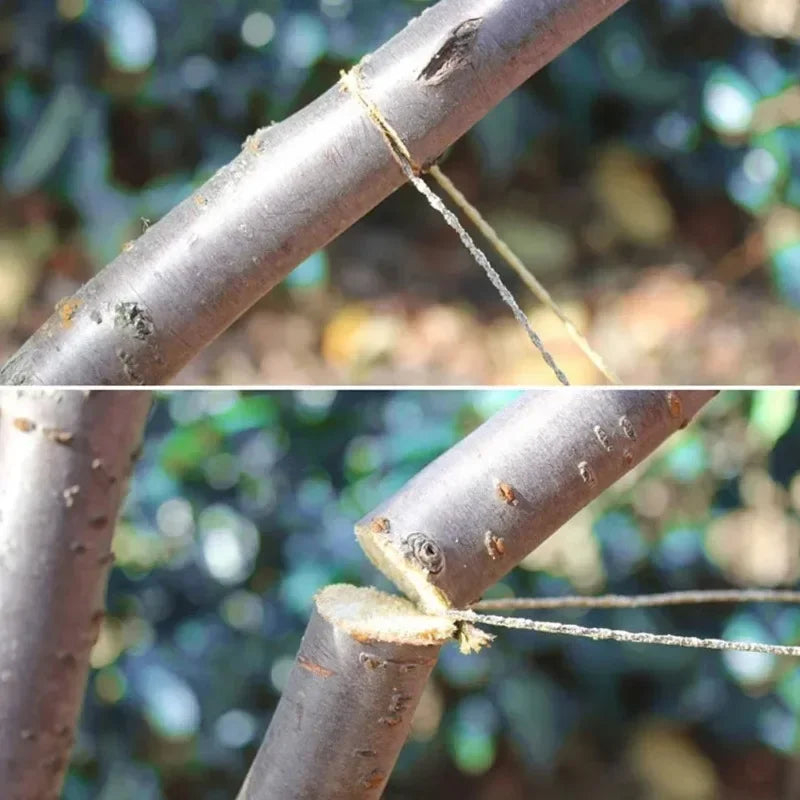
(131, 41)
(222, 471)
(110, 685)
(72, 9)
(243, 610)
(310, 274)
(258, 29)
(336, 9)
(304, 40)
(679, 548)
(625, 56)
(193, 637)
(235, 728)
(778, 727)
(772, 412)
(279, 673)
(198, 72)
(175, 518)
(786, 273)
(110, 643)
(729, 101)
(171, 706)
(760, 166)
(748, 668)
(229, 543)
(313, 406)
(223, 555)
(676, 131)
(687, 458)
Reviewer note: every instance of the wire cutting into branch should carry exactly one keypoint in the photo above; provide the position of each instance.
(351, 83)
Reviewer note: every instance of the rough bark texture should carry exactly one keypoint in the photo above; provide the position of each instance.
(64, 461)
(294, 187)
(345, 712)
(475, 512)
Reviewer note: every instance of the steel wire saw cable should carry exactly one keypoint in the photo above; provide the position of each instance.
(632, 601)
(351, 82)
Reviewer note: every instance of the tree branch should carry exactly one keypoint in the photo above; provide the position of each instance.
(346, 709)
(364, 659)
(294, 187)
(476, 511)
(64, 462)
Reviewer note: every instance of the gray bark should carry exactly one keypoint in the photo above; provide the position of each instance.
(347, 707)
(294, 187)
(476, 511)
(361, 668)
(64, 462)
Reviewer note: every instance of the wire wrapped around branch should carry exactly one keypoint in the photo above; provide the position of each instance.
(294, 187)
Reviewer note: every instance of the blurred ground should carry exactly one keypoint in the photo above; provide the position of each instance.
(649, 177)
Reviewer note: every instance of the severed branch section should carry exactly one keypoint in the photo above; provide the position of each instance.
(65, 458)
(476, 511)
(347, 707)
(460, 524)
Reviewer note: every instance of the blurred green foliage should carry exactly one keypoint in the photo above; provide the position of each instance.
(243, 504)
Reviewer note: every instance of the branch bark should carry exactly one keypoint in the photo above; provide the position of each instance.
(294, 187)
(347, 707)
(64, 460)
(476, 511)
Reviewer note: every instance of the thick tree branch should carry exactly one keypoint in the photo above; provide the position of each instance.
(364, 659)
(294, 187)
(346, 710)
(475, 512)
(64, 462)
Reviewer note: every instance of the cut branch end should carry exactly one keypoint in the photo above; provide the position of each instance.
(369, 615)
(411, 578)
